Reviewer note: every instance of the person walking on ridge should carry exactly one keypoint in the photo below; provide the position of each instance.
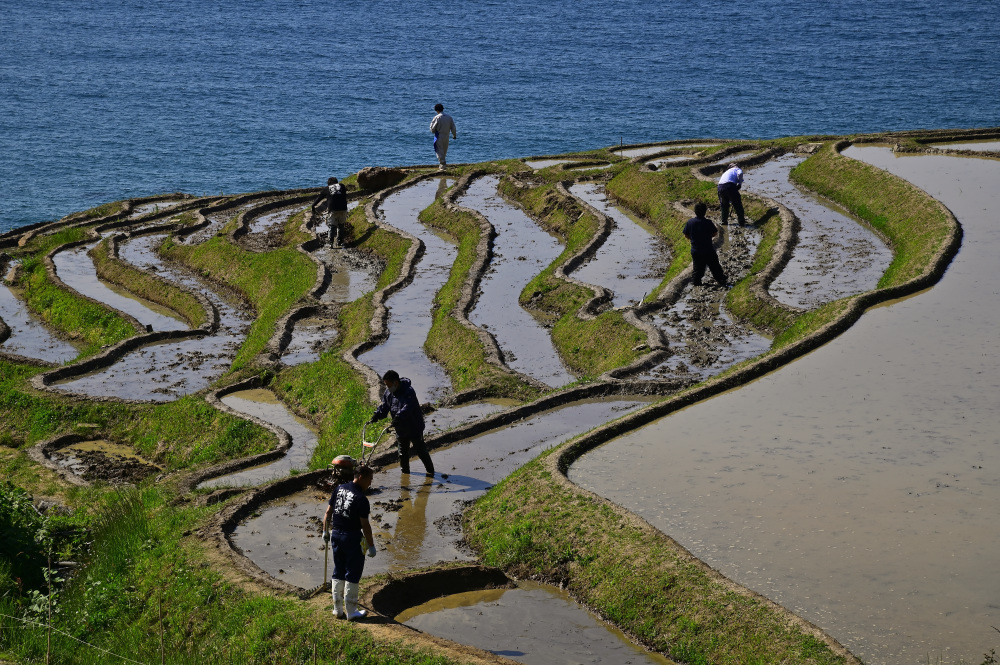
(700, 232)
(729, 193)
(399, 400)
(440, 126)
(335, 195)
(347, 515)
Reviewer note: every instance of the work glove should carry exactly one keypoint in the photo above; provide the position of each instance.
(371, 551)
(326, 536)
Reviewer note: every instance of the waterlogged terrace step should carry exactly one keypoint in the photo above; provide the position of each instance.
(29, 337)
(632, 260)
(411, 308)
(532, 623)
(521, 250)
(630, 153)
(166, 371)
(835, 256)
(856, 486)
(263, 404)
(415, 519)
(76, 269)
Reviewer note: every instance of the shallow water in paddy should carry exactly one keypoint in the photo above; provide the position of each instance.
(521, 250)
(28, 335)
(858, 485)
(415, 518)
(631, 261)
(265, 405)
(836, 256)
(157, 206)
(533, 623)
(275, 218)
(545, 163)
(411, 309)
(168, 370)
(968, 145)
(76, 269)
(649, 150)
(670, 160)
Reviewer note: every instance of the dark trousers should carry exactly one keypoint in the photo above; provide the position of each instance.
(348, 557)
(730, 196)
(710, 259)
(404, 441)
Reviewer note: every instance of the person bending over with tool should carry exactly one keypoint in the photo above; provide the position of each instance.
(400, 401)
(700, 232)
(347, 515)
(729, 193)
(335, 196)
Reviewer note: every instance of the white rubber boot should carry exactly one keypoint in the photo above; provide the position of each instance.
(351, 602)
(338, 599)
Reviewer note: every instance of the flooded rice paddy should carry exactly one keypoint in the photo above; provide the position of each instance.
(411, 309)
(629, 153)
(533, 623)
(858, 485)
(521, 251)
(835, 256)
(631, 261)
(545, 163)
(29, 337)
(415, 519)
(969, 145)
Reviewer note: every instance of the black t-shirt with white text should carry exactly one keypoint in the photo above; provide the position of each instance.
(349, 505)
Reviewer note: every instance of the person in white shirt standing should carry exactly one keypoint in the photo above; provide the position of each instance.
(441, 125)
(729, 193)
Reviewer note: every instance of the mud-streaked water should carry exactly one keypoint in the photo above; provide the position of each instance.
(632, 260)
(411, 309)
(649, 150)
(521, 251)
(858, 485)
(415, 518)
(272, 219)
(533, 623)
(168, 370)
(670, 160)
(311, 336)
(836, 256)
(735, 157)
(265, 405)
(545, 163)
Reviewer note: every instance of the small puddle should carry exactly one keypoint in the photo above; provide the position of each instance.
(652, 149)
(534, 623)
(858, 485)
(352, 275)
(521, 251)
(415, 519)
(101, 460)
(632, 260)
(29, 337)
(836, 256)
(968, 145)
(598, 167)
(265, 405)
(545, 163)
(77, 269)
(411, 309)
(168, 370)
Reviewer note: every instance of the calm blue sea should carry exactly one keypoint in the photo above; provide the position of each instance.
(105, 100)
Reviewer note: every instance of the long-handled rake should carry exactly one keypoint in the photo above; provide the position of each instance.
(369, 446)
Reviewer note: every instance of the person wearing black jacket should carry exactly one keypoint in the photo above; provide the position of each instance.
(399, 401)
(335, 196)
(700, 231)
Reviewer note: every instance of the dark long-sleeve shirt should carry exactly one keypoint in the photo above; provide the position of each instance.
(404, 408)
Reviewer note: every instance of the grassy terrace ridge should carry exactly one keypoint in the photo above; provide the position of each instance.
(146, 285)
(457, 348)
(912, 222)
(592, 347)
(644, 582)
(272, 282)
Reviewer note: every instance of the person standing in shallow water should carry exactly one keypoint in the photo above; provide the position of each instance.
(729, 193)
(440, 126)
(347, 514)
(700, 231)
(399, 400)
(335, 195)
